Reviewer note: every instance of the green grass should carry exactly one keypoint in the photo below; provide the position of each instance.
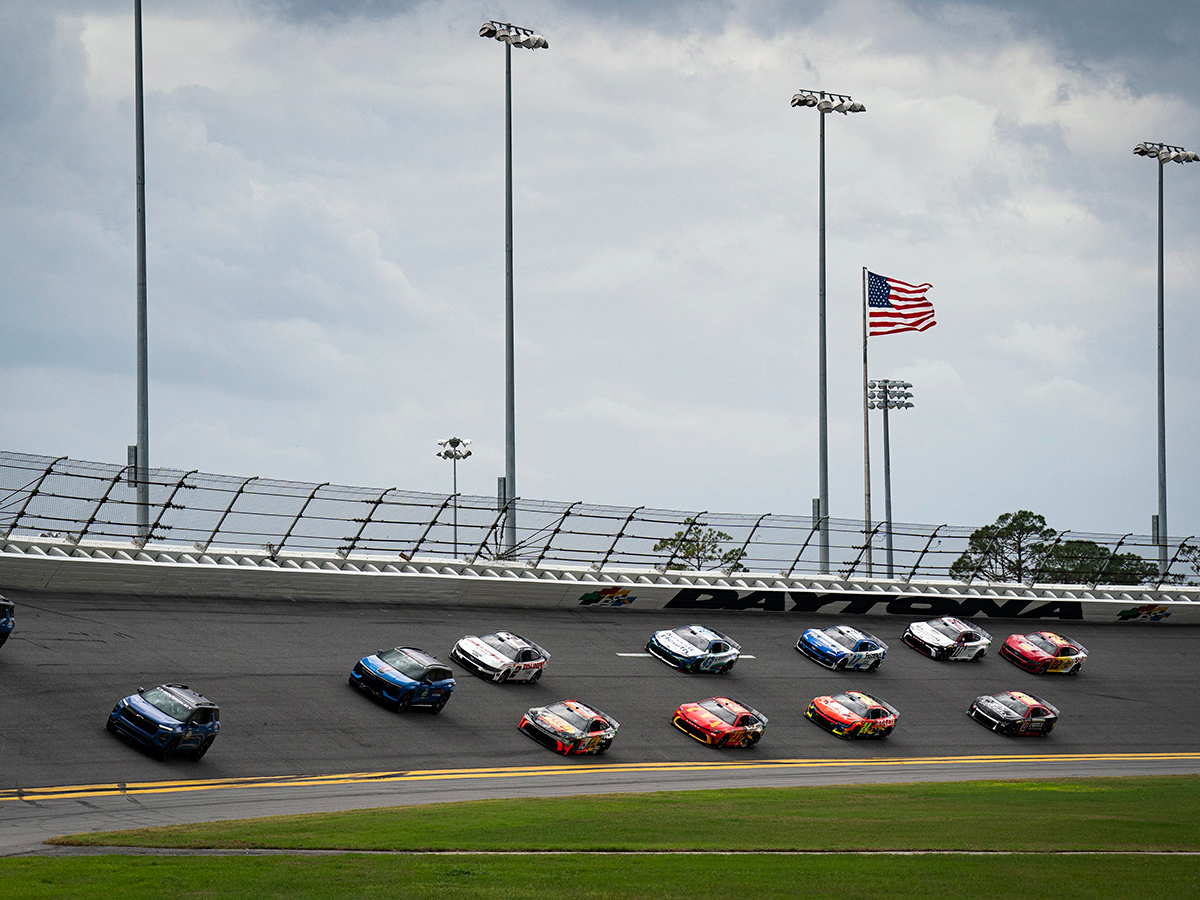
(1154, 813)
(413, 878)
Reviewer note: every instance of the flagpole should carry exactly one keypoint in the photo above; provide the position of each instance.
(866, 435)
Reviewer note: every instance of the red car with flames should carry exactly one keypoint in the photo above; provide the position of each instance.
(721, 722)
(853, 714)
(1044, 651)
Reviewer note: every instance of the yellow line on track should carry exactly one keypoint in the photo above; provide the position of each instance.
(75, 792)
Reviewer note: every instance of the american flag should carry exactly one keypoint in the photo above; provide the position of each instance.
(897, 306)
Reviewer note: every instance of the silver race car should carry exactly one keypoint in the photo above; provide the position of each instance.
(694, 648)
(501, 656)
(948, 638)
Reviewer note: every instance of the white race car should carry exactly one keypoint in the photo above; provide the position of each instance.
(948, 638)
(694, 648)
(502, 656)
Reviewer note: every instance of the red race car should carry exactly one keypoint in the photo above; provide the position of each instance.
(720, 722)
(1044, 651)
(853, 715)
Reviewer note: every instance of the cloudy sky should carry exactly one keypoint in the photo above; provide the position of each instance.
(325, 184)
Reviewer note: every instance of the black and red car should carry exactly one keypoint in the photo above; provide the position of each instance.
(1044, 651)
(1014, 712)
(720, 722)
(853, 714)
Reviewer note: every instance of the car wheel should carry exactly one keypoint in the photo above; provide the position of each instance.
(440, 705)
(873, 666)
(839, 665)
(537, 676)
(1075, 669)
(1041, 670)
(978, 656)
(404, 702)
(721, 741)
(198, 753)
(169, 750)
(604, 745)
(753, 739)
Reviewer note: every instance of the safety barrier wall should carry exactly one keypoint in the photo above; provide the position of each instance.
(85, 503)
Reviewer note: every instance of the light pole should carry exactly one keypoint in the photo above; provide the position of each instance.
(1164, 153)
(825, 103)
(509, 35)
(454, 449)
(142, 462)
(886, 394)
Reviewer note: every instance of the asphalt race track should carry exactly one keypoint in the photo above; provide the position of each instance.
(278, 670)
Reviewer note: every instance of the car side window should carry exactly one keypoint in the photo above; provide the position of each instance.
(596, 725)
(743, 721)
(718, 647)
(202, 717)
(1066, 651)
(1038, 712)
(866, 647)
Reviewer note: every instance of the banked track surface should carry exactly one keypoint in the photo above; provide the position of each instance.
(292, 729)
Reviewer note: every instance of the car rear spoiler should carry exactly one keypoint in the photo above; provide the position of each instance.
(726, 638)
(752, 710)
(872, 637)
(542, 650)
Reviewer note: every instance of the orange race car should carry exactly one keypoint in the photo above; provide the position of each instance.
(720, 722)
(853, 714)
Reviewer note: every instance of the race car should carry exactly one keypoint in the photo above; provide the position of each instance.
(694, 648)
(404, 677)
(168, 719)
(853, 714)
(1044, 651)
(568, 727)
(7, 619)
(502, 656)
(948, 638)
(1014, 712)
(720, 722)
(842, 647)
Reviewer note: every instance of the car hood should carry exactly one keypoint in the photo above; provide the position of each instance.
(673, 642)
(821, 639)
(991, 704)
(483, 652)
(151, 712)
(929, 634)
(379, 667)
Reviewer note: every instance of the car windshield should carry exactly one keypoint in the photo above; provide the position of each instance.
(940, 626)
(168, 703)
(1012, 703)
(696, 640)
(846, 640)
(1041, 643)
(403, 663)
(572, 718)
(718, 710)
(853, 704)
(499, 646)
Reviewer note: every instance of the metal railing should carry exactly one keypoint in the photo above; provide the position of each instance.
(91, 502)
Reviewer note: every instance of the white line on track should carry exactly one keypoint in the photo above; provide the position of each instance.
(743, 656)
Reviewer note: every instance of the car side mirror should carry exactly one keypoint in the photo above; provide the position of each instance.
(140, 689)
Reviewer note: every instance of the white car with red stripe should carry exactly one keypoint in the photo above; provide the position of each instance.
(501, 656)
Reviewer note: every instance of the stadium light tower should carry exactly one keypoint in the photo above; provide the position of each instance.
(509, 35)
(825, 103)
(141, 468)
(1164, 153)
(885, 394)
(454, 449)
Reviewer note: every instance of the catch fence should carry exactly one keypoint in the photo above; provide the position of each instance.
(87, 502)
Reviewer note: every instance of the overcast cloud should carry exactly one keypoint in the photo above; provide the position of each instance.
(326, 246)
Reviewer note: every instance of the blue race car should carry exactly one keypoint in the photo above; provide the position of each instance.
(404, 677)
(168, 719)
(842, 647)
(694, 648)
(7, 619)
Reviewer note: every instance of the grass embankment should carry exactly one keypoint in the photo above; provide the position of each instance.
(1074, 814)
(1115, 814)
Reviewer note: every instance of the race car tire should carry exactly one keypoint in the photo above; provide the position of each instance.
(1042, 669)
(721, 741)
(753, 739)
(978, 656)
(198, 753)
(693, 668)
(537, 676)
(169, 750)
(873, 666)
(1075, 669)
(839, 665)
(503, 676)
(440, 705)
(725, 668)
(404, 702)
(603, 746)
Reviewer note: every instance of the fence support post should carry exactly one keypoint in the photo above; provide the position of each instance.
(1166, 571)
(283, 540)
(849, 573)
(557, 528)
(695, 521)
(816, 524)
(112, 483)
(162, 511)
(620, 534)
(33, 493)
(499, 516)
(924, 550)
(228, 510)
(345, 551)
(742, 550)
(1112, 554)
(429, 527)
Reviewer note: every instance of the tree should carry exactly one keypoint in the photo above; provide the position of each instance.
(697, 548)
(1008, 550)
(1086, 562)
(1021, 547)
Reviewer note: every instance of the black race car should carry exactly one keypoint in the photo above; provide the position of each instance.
(1014, 712)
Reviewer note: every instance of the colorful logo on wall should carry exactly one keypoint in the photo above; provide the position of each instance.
(607, 597)
(1149, 613)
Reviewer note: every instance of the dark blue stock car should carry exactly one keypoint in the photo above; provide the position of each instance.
(7, 619)
(167, 720)
(404, 677)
